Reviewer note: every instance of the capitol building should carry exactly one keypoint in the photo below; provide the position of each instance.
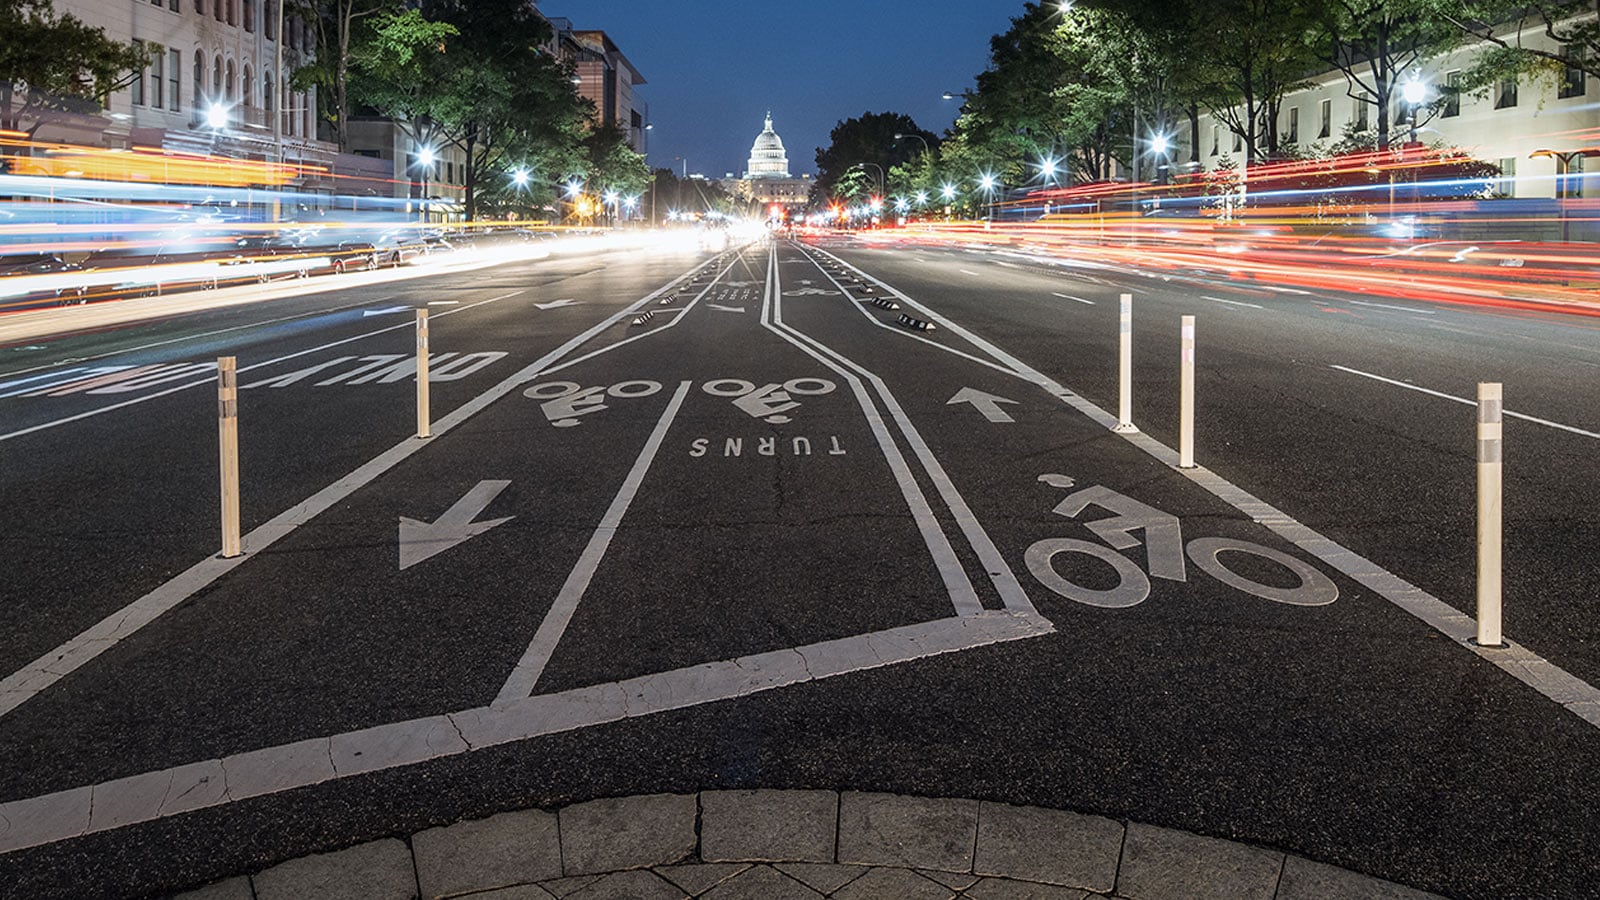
(767, 180)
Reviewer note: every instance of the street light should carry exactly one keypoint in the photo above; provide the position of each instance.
(520, 177)
(1413, 92)
(987, 182)
(900, 137)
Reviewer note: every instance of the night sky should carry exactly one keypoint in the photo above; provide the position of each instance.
(714, 67)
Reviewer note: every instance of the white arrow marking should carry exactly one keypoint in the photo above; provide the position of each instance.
(556, 304)
(386, 311)
(421, 540)
(737, 309)
(988, 404)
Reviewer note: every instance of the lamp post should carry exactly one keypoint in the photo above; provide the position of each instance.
(1413, 92)
(988, 183)
(1563, 159)
(425, 161)
(899, 136)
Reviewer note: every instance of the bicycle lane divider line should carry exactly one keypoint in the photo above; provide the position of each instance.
(963, 595)
(525, 674)
(1467, 401)
(967, 603)
(1555, 683)
(165, 793)
(27, 682)
(242, 369)
(1000, 573)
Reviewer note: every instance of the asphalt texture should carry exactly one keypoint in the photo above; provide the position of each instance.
(782, 464)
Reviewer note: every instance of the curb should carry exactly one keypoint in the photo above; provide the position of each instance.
(779, 844)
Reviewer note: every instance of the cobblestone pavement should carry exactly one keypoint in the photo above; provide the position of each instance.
(776, 845)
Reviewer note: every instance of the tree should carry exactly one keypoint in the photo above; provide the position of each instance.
(396, 67)
(613, 165)
(55, 62)
(1375, 42)
(1574, 25)
(864, 141)
(336, 24)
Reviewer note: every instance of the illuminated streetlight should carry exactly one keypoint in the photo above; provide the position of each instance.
(426, 157)
(574, 188)
(1413, 92)
(520, 176)
(216, 116)
(1160, 144)
(922, 197)
(949, 191)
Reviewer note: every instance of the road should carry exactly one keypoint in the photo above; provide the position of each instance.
(771, 536)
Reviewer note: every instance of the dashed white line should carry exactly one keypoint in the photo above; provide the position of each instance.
(1230, 302)
(1070, 297)
(1420, 312)
(970, 272)
(1465, 400)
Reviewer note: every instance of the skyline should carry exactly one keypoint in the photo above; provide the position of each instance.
(709, 86)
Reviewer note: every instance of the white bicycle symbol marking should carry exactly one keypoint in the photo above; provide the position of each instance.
(1164, 553)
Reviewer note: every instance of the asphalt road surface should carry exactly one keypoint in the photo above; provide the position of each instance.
(694, 521)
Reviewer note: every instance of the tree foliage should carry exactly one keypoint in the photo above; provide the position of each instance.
(864, 142)
(54, 62)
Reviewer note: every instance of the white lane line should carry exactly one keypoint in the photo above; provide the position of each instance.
(861, 307)
(671, 321)
(146, 398)
(149, 796)
(1070, 297)
(1000, 574)
(444, 302)
(525, 674)
(1230, 302)
(956, 581)
(27, 682)
(970, 272)
(1466, 401)
(1420, 312)
(1558, 685)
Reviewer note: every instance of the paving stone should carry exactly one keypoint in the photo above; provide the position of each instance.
(503, 850)
(697, 878)
(955, 881)
(761, 883)
(230, 889)
(380, 870)
(1008, 889)
(627, 833)
(635, 885)
(1307, 880)
(901, 884)
(1048, 845)
(914, 832)
(825, 877)
(1160, 862)
(561, 887)
(517, 892)
(768, 825)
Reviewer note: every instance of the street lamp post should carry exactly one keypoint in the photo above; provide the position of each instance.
(1563, 160)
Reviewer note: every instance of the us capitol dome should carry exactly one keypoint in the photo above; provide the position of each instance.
(767, 156)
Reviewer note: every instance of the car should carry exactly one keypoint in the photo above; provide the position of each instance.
(24, 264)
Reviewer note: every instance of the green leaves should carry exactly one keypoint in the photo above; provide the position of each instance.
(59, 55)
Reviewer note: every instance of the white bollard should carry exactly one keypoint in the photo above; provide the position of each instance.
(1125, 369)
(1186, 398)
(424, 419)
(228, 444)
(1490, 404)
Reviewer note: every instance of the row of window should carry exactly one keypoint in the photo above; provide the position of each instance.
(1573, 84)
(157, 87)
(233, 12)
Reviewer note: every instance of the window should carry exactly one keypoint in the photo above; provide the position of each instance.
(1238, 142)
(217, 11)
(1451, 107)
(174, 5)
(291, 34)
(1294, 125)
(1216, 139)
(1572, 78)
(174, 67)
(136, 87)
(269, 20)
(199, 80)
(216, 78)
(200, 6)
(247, 88)
(1508, 176)
(1325, 119)
(227, 86)
(1573, 186)
(158, 74)
(1505, 94)
(233, 12)
(250, 15)
(1359, 117)
(266, 94)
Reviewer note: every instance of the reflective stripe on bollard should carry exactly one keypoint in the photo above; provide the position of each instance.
(1186, 398)
(1125, 368)
(424, 419)
(1490, 407)
(228, 445)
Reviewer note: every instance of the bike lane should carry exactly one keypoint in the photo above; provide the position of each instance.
(1207, 671)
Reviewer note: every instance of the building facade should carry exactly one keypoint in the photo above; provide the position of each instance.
(767, 180)
(1505, 124)
(605, 77)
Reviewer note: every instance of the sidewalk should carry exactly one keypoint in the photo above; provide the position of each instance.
(777, 845)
